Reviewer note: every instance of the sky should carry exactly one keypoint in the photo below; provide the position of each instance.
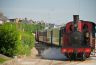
(52, 11)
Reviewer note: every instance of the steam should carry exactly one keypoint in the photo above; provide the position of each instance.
(53, 54)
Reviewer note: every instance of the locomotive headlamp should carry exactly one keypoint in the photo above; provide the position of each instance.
(75, 25)
(75, 38)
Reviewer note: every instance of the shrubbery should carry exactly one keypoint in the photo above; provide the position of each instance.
(14, 41)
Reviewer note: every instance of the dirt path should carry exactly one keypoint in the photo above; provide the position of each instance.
(30, 61)
(34, 60)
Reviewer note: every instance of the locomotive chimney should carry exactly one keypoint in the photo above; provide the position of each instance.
(75, 20)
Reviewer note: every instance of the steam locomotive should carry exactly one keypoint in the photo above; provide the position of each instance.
(76, 39)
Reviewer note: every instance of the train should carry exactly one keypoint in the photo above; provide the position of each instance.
(76, 39)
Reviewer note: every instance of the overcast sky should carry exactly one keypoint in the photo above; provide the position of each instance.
(54, 11)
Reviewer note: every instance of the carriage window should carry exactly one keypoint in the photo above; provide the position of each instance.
(71, 28)
(85, 28)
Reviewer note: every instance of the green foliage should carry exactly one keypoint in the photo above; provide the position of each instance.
(14, 41)
(27, 42)
(8, 39)
(30, 27)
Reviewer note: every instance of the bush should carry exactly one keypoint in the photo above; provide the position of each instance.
(27, 42)
(13, 41)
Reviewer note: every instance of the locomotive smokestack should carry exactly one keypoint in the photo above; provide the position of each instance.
(75, 18)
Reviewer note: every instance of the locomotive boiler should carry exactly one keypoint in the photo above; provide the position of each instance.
(76, 39)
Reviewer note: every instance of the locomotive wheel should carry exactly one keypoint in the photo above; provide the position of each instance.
(71, 57)
(83, 57)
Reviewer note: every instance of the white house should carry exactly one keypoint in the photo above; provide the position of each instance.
(1, 22)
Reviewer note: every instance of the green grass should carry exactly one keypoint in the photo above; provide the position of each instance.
(2, 60)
